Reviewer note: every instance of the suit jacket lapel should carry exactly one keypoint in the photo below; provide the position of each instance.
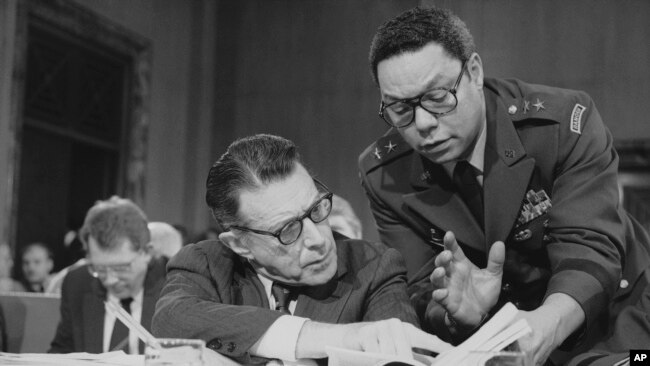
(93, 317)
(152, 285)
(507, 171)
(326, 302)
(247, 287)
(439, 204)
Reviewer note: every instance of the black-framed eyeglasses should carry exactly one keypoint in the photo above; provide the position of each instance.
(437, 101)
(292, 230)
(101, 271)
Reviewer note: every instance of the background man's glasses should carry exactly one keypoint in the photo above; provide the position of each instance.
(291, 231)
(438, 101)
(102, 271)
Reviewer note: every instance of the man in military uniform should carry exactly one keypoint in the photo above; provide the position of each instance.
(493, 190)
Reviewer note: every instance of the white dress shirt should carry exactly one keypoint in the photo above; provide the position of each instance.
(280, 340)
(476, 158)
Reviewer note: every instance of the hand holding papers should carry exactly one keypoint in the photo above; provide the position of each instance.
(499, 332)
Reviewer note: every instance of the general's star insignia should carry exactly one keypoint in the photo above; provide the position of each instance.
(539, 105)
(526, 106)
(390, 147)
(377, 153)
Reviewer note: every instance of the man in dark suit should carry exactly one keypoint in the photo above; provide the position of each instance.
(278, 283)
(493, 190)
(120, 270)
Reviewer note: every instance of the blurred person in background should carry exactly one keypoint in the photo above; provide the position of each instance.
(119, 270)
(37, 263)
(165, 241)
(184, 233)
(343, 219)
(7, 283)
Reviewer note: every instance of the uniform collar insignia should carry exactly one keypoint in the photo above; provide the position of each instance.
(377, 153)
(390, 147)
(539, 104)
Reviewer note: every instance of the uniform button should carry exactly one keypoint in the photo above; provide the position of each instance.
(547, 238)
(512, 109)
(231, 347)
(624, 283)
(517, 304)
(545, 223)
(215, 344)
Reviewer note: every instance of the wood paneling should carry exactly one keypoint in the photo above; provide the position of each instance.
(298, 69)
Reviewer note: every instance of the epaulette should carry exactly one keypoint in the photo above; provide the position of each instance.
(387, 148)
(525, 101)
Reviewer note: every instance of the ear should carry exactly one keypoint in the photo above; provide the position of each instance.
(475, 69)
(232, 241)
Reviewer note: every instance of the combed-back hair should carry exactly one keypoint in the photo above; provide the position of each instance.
(249, 163)
(417, 27)
(113, 220)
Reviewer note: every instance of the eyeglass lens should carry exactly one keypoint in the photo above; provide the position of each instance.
(436, 101)
(318, 213)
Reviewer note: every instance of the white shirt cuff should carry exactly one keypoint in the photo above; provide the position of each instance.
(280, 340)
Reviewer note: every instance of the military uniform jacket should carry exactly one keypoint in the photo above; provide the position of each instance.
(550, 193)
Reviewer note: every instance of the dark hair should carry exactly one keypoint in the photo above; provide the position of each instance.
(414, 29)
(38, 244)
(113, 220)
(248, 164)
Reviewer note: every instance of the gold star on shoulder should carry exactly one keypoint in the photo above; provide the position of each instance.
(526, 106)
(390, 147)
(377, 153)
(539, 105)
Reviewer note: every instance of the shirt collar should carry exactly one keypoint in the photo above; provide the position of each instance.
(137, 298)
(267, 283)
(476, 158)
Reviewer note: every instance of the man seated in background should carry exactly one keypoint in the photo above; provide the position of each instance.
(7, 283)
(277, 251)
(37, 265)
(119, 270)
(165, 241)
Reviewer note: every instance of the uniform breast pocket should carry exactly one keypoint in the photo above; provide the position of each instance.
(530, 236)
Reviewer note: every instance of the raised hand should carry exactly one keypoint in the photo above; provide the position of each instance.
(464, 290)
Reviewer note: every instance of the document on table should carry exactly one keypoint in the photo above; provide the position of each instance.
(73, 359)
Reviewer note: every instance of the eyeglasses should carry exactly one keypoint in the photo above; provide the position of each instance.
(438, 101)
(291, 231)
(101, 271)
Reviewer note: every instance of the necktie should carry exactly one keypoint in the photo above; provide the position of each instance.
(120, 336)
(282, 297)
(469, 189)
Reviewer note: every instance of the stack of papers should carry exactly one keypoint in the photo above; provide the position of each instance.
(495, 335)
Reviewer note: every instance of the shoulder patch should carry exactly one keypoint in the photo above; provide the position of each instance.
(576, 118)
